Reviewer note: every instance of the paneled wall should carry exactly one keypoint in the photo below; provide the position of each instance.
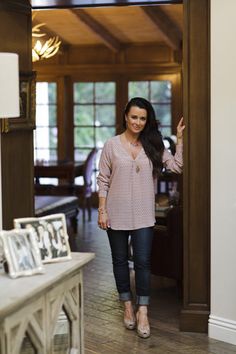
(89, 63)
(17, 144)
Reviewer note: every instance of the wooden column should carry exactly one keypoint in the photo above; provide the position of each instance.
(195, 312)
(17, 144)
(121, 101)
(65, 118)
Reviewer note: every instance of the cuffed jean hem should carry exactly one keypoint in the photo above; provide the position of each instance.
(142, 300)
(125, 296)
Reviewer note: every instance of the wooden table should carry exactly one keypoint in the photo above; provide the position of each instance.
(66, 170)
(33, 304)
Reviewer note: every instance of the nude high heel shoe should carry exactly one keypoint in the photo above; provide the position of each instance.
(142, 331)
(130, 323)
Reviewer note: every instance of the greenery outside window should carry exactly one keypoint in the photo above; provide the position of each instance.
(94, 118)
(159, 94)
(46, 132)
(45, 135)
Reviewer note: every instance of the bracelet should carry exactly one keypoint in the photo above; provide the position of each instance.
(102, 210)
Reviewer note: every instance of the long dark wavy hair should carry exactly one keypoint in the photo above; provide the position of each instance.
(150, 136)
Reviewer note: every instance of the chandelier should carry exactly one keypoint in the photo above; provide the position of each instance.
(43, 49)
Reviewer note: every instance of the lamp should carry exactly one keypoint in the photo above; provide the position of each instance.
(44, 50)
(9, 97)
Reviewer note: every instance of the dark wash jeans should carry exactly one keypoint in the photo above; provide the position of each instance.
(142, 244)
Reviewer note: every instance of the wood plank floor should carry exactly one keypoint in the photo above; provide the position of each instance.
(104, 331)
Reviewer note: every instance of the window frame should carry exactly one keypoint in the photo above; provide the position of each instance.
(94, 126)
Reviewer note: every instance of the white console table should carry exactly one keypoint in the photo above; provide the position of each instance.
(33, 304)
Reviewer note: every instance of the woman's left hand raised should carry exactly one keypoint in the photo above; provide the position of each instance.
(180, 128)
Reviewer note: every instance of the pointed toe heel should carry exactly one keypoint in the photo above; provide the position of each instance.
(143, 332)
(129, 324)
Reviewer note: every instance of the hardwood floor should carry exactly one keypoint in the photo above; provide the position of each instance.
(104, 331)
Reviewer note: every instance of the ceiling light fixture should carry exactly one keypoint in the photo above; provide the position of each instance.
(46, 49)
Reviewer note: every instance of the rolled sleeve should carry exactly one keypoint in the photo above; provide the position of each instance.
(174, 163)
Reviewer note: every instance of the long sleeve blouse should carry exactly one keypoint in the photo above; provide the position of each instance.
(129, 186)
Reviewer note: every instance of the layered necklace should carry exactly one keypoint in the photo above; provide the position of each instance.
(133, 144)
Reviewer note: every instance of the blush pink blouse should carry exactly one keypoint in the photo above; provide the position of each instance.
(129, 186)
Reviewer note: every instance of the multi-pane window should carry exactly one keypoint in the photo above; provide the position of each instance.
(94, 118)
(45, 135)
(159, 94)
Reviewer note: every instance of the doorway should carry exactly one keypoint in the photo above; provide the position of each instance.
(196, 186)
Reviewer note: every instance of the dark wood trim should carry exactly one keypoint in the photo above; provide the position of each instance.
(194, 321)
(15, 5)
(196, 302)
(101, 32)
(171, 33)
(121, 101)
(66, 4)
(17, 145)
(61, 111)
(69, 119)
(107, 69)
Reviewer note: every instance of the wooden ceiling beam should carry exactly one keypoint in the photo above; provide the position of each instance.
(101, 32)
(170, 31)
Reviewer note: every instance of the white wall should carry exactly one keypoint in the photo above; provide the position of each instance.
(222, 323)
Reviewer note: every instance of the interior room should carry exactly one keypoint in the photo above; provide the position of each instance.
(87, 61)
(108, 55)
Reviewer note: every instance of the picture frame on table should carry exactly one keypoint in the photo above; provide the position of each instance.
(50, 232)
(21, 255)
(27, 98)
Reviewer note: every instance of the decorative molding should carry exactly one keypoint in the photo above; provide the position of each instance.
(222, 329)
(108, 69)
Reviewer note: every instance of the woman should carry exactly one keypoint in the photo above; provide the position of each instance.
(129, 166)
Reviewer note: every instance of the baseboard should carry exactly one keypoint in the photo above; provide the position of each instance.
(222, 329)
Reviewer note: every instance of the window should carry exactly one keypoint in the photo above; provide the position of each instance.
(159, 94)
(94, 118)
(45, 135)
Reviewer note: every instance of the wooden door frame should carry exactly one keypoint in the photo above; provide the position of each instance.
(196, 178)
(196, 108)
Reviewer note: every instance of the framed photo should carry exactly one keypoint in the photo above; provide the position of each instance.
(21, 253)
(27, 105)
(50, 232)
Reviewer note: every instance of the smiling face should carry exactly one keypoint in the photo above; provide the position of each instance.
(136, 119)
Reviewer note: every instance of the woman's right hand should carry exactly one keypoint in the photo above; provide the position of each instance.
(103, 221)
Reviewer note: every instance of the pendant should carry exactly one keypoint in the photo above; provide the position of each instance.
(137, 169)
